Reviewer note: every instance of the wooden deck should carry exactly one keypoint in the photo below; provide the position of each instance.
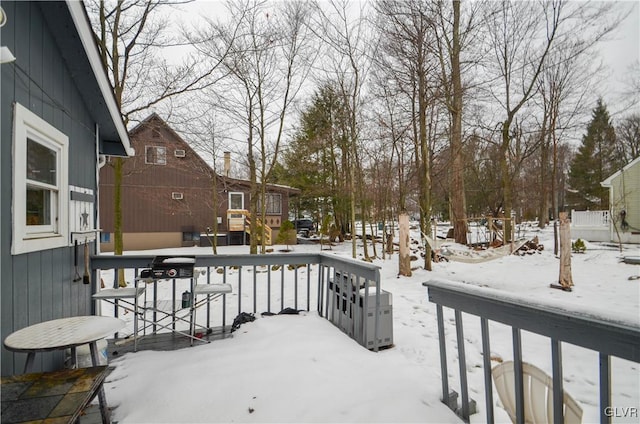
(160, 342)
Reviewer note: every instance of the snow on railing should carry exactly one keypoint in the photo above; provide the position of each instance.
(559, 324)
(590, 218)
(294, 280)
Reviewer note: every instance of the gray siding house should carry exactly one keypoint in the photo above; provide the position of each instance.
(58, 118)
(624, 202)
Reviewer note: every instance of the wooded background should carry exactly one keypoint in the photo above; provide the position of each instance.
(441, 109)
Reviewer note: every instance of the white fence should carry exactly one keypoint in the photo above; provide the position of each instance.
(590, 225)
(590, 218)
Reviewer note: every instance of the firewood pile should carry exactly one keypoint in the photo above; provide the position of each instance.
(530, 247)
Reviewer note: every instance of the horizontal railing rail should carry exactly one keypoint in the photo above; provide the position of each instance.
(607, 337)
(312, 276)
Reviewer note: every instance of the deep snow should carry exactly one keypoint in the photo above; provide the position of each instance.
(300, 368)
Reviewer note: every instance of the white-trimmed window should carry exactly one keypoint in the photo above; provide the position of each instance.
(40, 184)
(236, 200)
(155, 155)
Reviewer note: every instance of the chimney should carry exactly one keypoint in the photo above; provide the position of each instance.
(227, 163)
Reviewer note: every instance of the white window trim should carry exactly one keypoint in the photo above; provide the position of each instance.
(236, 192)
(147, 147)
(24, 240)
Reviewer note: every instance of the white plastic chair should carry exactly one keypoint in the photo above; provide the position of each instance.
(538, 394)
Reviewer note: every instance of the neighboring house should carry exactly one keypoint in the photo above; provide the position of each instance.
(624, 201)
(167, 196)
(58, 115)
(622, 222)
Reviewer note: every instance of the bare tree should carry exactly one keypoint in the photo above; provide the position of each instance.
(521, 37)
(450, 40)
(392, 150)
(209, 136)
(628, 137)
(408, 38)
(342, 29)
(632, 90)
(130, 36)
(563, 89)
(268, 61)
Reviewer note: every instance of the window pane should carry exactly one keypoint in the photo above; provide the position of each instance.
(235, 201)
(190, 236)
(273, 202)
(151, 154)
(156, 155)
(38, 206)
(41, 163)
(161, 155)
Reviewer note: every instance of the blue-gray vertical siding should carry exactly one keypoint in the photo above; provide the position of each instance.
(38, 286)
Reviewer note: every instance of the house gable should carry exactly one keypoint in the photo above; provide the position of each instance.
(166, 186)
(167, 192)
(632, 164)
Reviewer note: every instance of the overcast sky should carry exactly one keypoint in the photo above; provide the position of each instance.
(620, 53)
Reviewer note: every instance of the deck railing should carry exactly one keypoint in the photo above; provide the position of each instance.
(558, 324)
(590, 218)
(267, 283)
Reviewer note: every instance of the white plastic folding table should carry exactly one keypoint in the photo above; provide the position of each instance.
(126, 298)
(211, 292)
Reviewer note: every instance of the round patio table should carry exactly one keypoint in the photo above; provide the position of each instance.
(63, 333)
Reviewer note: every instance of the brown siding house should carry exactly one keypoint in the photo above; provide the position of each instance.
(167, 195)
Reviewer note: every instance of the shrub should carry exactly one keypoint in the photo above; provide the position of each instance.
(287, 233)
(578, 246)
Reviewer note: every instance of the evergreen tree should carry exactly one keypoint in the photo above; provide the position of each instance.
(594, 162)
(315, 159)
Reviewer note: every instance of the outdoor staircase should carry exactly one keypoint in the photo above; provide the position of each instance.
(240, 220)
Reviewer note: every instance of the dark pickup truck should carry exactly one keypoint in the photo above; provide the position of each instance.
(304, 226)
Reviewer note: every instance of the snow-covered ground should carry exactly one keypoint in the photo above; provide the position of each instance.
(300, 368)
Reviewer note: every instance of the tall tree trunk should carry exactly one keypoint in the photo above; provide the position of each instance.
(565, 279)
(543, 206)
(253, 190)
(554, 176)
(363, 205)
(425, 203)
(214, 188)
(263, 218)
(458, 206)
(545, 142)
(352, 199)
(506, 179)
(404, 257)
